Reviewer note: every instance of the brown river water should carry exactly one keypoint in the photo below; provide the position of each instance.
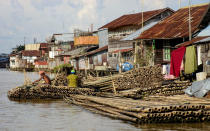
(42, 115)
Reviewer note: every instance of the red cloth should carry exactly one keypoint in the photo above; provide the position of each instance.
(176, 60)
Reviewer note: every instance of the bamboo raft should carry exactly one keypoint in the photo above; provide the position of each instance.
(155, 109)
(57, 90)
(47, 92)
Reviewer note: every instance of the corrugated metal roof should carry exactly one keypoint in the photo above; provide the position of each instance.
(205, 31)
(204, 40)
(134, 19)
(93, 52)
(98, 50)
(123, 50)
(63, 37)
(86, 40)
(30, 53)
(76, 51)
(176, 25)
(41, 63)
(139, 31)
(194, 40)
(32, 46)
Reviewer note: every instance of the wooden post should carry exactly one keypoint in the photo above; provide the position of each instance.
(120, 63)
(114, 88)
(153, 52)
(135, 54)
(97, 74)
(86, 65)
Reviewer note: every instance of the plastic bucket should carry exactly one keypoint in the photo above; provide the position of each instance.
(201, 76)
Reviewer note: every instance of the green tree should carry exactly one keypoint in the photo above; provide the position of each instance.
(20, 47)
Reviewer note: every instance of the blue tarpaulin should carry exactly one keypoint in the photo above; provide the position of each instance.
(198, 88)
(125, 67)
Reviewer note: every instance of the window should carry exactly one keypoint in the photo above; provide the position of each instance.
(12, 62)
(166, 54)
(115, 55)
(110, 54)
(133, 45)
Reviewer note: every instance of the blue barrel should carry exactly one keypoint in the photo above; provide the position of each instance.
(125, 66)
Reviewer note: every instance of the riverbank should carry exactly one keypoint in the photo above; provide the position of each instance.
(30, 69)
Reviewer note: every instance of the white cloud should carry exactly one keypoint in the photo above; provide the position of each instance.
(152, 4)
(39, 18)
(88, 10)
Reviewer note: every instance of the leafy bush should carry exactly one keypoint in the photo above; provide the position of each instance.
(62, 67)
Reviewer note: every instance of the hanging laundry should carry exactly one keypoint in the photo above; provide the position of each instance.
(190, 65)
(176, 60)
(199, 54)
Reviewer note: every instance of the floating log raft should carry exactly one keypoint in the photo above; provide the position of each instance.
(161, 109)
(46, 91)
(57, 90)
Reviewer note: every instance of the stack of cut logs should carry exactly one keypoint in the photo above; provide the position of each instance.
(174, 88)
(46, 91)
(66, 91)
(155, 110)
(141, 77)
(60, 80)
(98, 83)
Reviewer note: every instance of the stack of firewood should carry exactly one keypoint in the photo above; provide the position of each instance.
(175, 88)
(60, 80)
(141, 77)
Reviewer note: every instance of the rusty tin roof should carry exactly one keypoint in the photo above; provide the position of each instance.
(104, 48)
(30, 53)
(194, 40)
(86, 40)
(134, 19)
(177, 25)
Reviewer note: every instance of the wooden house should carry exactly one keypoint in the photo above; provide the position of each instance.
(173, 30)
(129, 23)
(123, 31)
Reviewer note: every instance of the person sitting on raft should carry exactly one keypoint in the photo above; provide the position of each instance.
(72, 79)
(44, 77)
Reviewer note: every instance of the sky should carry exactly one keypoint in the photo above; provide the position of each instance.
(29, 19)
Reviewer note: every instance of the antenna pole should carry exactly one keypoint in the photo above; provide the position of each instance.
(190, 34)
(142, 16)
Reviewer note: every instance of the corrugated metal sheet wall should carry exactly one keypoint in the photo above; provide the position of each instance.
(32, 46)
(103, 37)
